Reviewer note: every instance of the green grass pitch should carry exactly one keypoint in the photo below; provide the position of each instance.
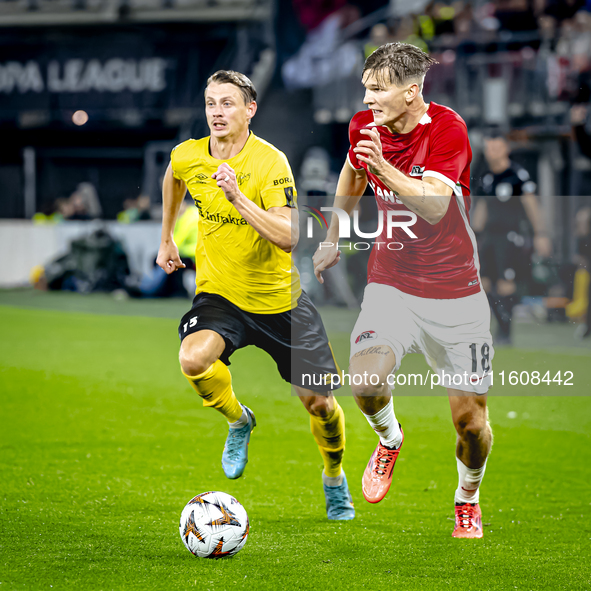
(103, 442)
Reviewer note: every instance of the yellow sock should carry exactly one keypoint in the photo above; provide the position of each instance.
(214, 386)
(329, 433)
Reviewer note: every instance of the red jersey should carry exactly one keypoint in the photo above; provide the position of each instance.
(442, 262)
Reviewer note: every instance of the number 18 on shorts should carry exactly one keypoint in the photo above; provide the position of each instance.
(452, 334)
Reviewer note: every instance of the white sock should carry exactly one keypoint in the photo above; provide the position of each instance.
(468, 490)
(333, 480)
(384, 423)
(243, 420)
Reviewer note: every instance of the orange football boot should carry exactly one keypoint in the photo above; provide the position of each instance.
(377, 477)
(468, 521)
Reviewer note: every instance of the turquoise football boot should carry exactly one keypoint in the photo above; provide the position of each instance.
(235, 456)
(339, 504)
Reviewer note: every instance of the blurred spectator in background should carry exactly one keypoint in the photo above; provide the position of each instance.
(129, 212)
(64, 209)
(143, 208)
(442, 15)
(579, 307)
(61, 209)
(516, 15)
(156, 283)
(501, 217)
(311, 14)
(379, 35)
(579, 117)
(85, 203)
(82, 204)
(580, 59)
(464, 24)
(563, 9)
(407, 31)
(135, 210)
(323, 57)
(316, 178)
(581, 124)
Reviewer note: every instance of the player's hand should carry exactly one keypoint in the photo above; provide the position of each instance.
(226, 181)
(370, 151)
(543, 246)
(324, 258)
(168, 258)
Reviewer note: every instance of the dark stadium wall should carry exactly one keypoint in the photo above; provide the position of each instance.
(138, 84)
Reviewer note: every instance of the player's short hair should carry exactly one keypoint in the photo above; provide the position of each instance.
(402, 62)
(243, 82)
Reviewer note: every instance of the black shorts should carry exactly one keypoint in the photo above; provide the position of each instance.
(502, 258)
(295, 339)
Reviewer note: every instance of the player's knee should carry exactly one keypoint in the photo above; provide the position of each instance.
(367, 387)
(319, 406)
(194, 361)
(471, 425)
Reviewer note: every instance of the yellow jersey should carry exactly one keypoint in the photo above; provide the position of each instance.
(231, 258)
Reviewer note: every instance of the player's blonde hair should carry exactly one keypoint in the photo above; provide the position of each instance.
(243, 82)
(398, 63)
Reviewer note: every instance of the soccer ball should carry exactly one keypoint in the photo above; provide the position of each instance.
(214, 525)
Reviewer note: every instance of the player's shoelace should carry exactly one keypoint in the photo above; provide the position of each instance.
(235, 443)
(465, 515)
(383, 461)
(338, 495)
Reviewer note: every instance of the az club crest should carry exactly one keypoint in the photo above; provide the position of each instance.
(365, 336)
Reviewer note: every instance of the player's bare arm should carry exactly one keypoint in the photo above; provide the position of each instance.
(350, 188)
(173, 193)
(278, 225)
(429, 198)
(542, 243)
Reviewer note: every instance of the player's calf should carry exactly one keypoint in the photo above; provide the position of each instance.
(327, 423)
(474, 442)
(328, 430)
(211, 379)
(470, 418)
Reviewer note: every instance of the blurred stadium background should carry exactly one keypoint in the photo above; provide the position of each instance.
(95, 93)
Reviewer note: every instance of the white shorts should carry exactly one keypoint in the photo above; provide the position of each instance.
(453, 335)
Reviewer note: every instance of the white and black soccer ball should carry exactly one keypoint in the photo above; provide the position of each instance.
(214, 525)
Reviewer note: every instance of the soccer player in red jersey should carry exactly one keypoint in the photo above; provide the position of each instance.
(424, 292)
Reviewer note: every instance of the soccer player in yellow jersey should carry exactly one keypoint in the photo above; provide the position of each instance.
(248, 290)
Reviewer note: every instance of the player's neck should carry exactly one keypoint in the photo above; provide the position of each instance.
(227, 147)
(410, 118)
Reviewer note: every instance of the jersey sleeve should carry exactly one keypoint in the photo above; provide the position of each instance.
(449, 153)
(278, 187)
(176, 162)
(354, 137)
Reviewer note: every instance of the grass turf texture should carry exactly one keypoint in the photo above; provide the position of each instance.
(103, 443)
